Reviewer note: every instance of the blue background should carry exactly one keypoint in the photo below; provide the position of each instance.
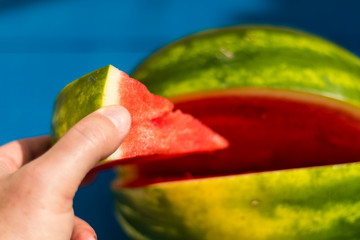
(46, 44)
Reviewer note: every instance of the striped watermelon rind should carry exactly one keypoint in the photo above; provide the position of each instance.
(314, 203)
(252, 56)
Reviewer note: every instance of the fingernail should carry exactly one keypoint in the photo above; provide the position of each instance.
(118, 115)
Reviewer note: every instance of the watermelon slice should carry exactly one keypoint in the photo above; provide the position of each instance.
(156, 129)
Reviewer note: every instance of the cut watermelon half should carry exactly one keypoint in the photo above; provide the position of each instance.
(156, 129)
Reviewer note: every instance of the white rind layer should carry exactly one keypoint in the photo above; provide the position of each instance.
(112, 97)
(111, 94)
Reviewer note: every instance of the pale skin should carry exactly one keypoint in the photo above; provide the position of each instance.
(38, 183)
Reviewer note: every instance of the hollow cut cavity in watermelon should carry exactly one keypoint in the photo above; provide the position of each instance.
(155, 129)
(267, 129)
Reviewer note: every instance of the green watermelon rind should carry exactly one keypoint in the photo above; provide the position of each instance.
(72, 104)
(314, 203)
(252, 56)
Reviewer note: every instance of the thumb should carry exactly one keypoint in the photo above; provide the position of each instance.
(92, 139)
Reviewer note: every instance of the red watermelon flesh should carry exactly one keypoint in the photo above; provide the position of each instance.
(268, 130)
(156, 129)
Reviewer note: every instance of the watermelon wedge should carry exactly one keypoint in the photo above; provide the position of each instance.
(156, 129)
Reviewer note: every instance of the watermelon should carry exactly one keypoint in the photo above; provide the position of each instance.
(289, 104)
(155, 129)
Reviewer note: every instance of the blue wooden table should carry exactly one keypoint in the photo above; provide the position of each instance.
(45, 44)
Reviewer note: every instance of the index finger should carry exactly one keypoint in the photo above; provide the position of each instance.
(15, 154)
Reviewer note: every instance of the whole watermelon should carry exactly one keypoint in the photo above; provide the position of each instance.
(289, 102)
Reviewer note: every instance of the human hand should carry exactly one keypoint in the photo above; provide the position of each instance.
(37, 185)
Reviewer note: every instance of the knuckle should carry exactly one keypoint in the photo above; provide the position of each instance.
(9, 164)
